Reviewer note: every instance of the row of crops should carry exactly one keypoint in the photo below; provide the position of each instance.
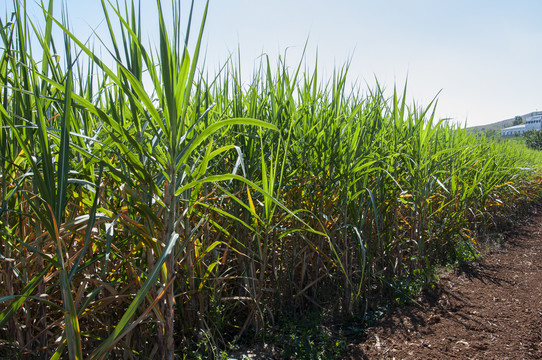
(145, 207)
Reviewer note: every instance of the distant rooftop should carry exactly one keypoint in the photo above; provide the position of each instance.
(515, 127)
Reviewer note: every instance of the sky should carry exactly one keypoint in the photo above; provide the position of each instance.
(482, 58)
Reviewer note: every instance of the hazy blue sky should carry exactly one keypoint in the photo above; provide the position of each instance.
(485, 55)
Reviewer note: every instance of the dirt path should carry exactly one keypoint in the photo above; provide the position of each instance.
(487, 311)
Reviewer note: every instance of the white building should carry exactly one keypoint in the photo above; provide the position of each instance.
(533, 121)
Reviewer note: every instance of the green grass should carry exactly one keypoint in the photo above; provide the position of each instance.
(145, 222)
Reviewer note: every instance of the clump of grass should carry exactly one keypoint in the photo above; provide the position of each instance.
(139, 222)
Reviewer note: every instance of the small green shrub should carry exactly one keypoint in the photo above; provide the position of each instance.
(533, 139)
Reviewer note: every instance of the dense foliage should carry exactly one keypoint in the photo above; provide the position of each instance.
(151, 221)
(533, 139)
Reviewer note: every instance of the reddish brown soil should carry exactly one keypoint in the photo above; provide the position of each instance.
(483, 311)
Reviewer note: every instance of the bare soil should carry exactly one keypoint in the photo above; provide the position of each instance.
(491, 310)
